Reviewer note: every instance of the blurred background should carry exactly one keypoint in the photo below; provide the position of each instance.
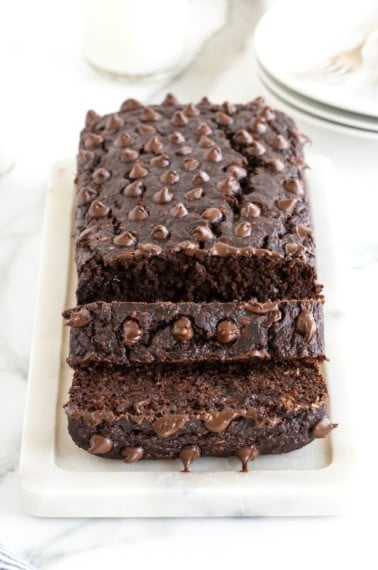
(50, 57)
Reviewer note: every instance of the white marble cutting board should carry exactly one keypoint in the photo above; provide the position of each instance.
(58, 479)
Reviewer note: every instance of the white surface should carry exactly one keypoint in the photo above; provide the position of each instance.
(326, 112)
(113, 32)
(59, 479)
(44, 71)
(309, 32)
(312, 116)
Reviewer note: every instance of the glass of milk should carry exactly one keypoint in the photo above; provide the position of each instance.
(135, 38)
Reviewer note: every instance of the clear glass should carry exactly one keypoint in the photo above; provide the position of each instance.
(135, 38)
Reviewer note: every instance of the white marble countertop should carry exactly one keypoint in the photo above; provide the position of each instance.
(48, 90)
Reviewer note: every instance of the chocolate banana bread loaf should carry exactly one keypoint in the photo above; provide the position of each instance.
(193, 203)
(118, 334)
(168, 411)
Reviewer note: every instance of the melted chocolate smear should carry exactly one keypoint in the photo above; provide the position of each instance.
(188, 455)
(246, 454)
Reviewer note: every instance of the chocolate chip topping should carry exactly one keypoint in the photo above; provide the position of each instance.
(205, 142)
(132, 333)
(138, 171)
(250, 210)
(123, 140)
(214, 154)
(212, 215)
(203, 233)
(184, 150)
(98, 209)
(92, 141)
(303, 231)
(295, 249)
(160, 161)
(322, 428)
(223, 118)
(170, 177)
(275, 165)
(243, 229)
(145, 129)
(179, 119)
(190, 164)
(150, 114)
(91, 117)
(258, 126)
(256, 149)
(227, 331)
(100, 445)
(114, 122)
(78, 318)
(287, 204)
(84, 157)
(125, 239)
(219, 421)
(130, 105)
(138, 214)
(294, 186)
(132, 454)
(189, 454)
(194, 194)
(86, 195)
(243, 137)
(182, 329)
(236, 171)
(162, 196)
(228, 186)
(177, 138)
(268, 114)
(170, 100)
(134, 189)
(153, 145)
(101, 175)
(280, 143)
(160, 232)
(129, 154)
(246, 454)
(203, 128)
(179, 211)
(200, 177)
(306, 324)
(191, 110)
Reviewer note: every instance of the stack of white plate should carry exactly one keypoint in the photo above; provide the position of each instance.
(300, 35)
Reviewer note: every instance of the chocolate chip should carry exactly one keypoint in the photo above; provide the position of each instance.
(190, 164)
(138, 214)
(145, 129)
(162, 196)
(227, 332)
(113, 123)
(92, 141)
(130, 105)
(243, 137)
(300, 137)
(280, 143)
(212, 215)
(123, 140)
(194, 194)
(170, 177)
(153, 145)
(294, 186)
(188, 454)
(86, 195)
(322, 428)
(223, 118)
(256, 149)
(214, 154)
(203, 128)
(228, 186)
(85, 156)
(184, 150)
(306, 324)
(205, 142)
(258, 126)
(228, 107)
(160, 161)
(250, 210)
(78, 318)
(268, 114)
(246, 454)
(275, 165)
(134, 189)
(129, 155)
(150, 114)
(148, 250)
(98, 209)
(200, 177)
(132, 454)
(191, 110)
(170, 100)
(91, 117)
(236, 171)
(100, 445)
(179, 119)
(132, 333)
(295, 249)
(182, 329)
(243, 229)
(125, 239)
(101, 175)
(287, 204)
(303, 231)
(205, 101)
(138, 171)
(179, 211)
(176, 138)
(203, 233)
(160, 232)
